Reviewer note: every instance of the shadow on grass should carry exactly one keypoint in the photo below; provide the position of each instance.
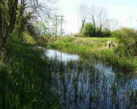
(25, 80)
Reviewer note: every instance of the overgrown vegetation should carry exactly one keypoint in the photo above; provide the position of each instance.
(26, 80)
(127, 41)
(91, 30)
(97, 48)
(25, 77)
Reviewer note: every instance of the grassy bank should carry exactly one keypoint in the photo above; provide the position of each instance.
(81, 46)
(95, 47)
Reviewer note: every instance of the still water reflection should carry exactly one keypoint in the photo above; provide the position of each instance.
(91, 85)
(60, 56)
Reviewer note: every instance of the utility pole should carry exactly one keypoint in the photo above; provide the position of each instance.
(58, 23)
(61, 27)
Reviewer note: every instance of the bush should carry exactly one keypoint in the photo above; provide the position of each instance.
(127, 41)
(91, 30)
(88, 29)
(106, 32)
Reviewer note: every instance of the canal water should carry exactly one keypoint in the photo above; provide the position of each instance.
(91, 84)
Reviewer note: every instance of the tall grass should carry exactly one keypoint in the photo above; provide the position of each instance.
(25, 79)
(96, 48)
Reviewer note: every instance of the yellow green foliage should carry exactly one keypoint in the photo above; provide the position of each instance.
(28, 38)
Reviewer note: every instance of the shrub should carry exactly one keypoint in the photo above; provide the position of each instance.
(106, 32)
(91, 30)
(88, 29)
(127, 41)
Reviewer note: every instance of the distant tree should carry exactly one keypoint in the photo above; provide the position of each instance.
(83, 24)
(88, 29)
(98, 18)
(91, 30)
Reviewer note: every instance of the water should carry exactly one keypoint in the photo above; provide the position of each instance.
(60, 56)
(91, 85)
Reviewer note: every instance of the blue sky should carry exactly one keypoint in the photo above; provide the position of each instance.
(124, 12)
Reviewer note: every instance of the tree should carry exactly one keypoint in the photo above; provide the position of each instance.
(8, 14)
(97, 17)
(83, 24)
(14, 16)
(88, 29)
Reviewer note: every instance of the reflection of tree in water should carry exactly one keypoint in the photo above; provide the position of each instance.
(89, 88)
(133, 99)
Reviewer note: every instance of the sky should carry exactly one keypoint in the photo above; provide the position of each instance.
(122, 12)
